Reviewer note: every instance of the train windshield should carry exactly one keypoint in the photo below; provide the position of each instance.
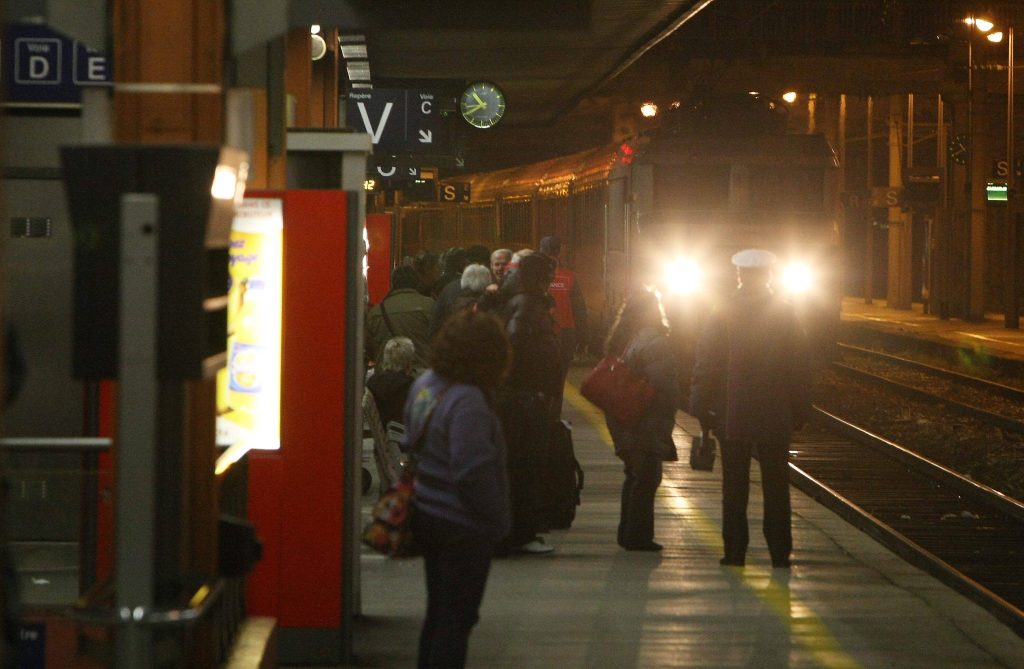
(691, 187)
(795, 188)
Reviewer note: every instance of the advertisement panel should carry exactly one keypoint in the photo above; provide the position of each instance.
(249, 388)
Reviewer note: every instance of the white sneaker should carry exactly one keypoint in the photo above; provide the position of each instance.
(536, 547)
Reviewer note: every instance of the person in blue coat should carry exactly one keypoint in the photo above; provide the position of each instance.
(461, 509)
(751, 385)
(640, 337)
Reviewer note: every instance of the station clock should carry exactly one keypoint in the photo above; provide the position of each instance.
(482, 104)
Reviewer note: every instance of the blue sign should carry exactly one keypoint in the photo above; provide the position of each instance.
(42, 66)
(32, 645)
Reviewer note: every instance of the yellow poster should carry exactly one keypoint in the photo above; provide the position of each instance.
(249, 389)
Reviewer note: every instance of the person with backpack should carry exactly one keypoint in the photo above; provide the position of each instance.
(404, 312)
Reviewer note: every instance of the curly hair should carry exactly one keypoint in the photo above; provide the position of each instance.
(471, 348)
(642, 308)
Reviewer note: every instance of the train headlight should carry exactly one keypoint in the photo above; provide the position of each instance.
(797, 278)
(683, 276)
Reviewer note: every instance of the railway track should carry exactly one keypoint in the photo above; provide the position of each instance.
(969, 536)
(990, 402)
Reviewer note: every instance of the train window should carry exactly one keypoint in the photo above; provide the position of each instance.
(691, 186)
(477, 223)
(588, 216)
(616, 215)
(515, 223)
(552, 216)
(792, 188)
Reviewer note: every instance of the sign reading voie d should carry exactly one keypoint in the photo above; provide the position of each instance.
(42, 66)
(399, 120)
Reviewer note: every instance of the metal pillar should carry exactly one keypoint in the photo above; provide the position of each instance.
(1012, 309)
(137, 430)
(899, 274)
(869, 223)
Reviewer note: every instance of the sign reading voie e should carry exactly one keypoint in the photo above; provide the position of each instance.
(41, 66)
(404, 121)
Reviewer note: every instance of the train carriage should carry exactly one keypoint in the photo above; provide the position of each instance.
(666, 209)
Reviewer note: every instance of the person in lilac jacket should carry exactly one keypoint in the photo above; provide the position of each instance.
(461, 509)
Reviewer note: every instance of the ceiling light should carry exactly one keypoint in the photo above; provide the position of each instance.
(983, 25)
(358, 70)
(318, 46)
(995, 37)
(314, 29)
(649, 109)
(353, 51)
(789, 96)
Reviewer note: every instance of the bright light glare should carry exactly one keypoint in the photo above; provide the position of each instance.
(649, 109)
(682, 276)
(314, 29)
(995, 37)
(225, 180)
(789, 96)
(983, 25)
(797, 278)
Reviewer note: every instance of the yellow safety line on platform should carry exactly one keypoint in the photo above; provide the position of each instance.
(806, 627)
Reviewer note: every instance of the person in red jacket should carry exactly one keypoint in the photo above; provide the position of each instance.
(570, 310)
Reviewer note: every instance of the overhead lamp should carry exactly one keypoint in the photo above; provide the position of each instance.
(314, 29)
(995, 37)
(318, 46)
(358, 70)
(649, 109)
(353, 51)
(789, 96)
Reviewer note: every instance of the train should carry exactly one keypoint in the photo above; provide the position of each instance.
(666, 209)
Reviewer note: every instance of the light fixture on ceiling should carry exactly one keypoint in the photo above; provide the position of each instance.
(358, 70)
(649, 109)
(995, 37)
(318, 46)
(789, 96)
(314, 29)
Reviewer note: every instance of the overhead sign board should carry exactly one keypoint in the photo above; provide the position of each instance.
(43, 67)
(398, 120)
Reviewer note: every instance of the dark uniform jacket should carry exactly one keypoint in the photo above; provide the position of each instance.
(650, 355)
(751, 380)
(536, 363)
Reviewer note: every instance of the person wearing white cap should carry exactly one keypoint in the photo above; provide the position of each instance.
(751, 385)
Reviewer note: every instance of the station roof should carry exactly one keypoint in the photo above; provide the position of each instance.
(544, 55)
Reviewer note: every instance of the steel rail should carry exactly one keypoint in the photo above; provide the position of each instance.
(998, 420)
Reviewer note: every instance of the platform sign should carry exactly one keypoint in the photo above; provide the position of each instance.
(399, 120)
(42, 67)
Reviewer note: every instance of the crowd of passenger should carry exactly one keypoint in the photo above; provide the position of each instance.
(475, 346)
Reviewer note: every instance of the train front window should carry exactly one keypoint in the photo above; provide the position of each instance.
(691, 187)
(793, 188)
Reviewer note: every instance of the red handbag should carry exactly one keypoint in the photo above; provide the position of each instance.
(618, 391)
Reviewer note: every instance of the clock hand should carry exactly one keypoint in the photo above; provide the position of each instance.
(474, 108)
(477, 98)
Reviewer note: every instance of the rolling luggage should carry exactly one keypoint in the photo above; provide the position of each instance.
(563, 478)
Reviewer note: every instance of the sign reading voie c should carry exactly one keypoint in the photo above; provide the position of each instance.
(404, 121)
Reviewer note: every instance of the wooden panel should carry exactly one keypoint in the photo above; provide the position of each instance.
(298, 73)
(168, 43)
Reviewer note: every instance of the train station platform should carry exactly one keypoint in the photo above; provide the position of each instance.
(988, 335)
(846, 602)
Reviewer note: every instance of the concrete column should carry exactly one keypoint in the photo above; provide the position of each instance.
(980, 156)
(900, 275)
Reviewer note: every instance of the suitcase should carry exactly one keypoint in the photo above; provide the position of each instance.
(563, 478)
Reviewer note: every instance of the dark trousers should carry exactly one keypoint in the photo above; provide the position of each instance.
(525, 418)
(457, 562)
(774, 461)
(643, 476)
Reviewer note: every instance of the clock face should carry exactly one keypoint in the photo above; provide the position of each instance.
(482, 104)
(958, 148)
